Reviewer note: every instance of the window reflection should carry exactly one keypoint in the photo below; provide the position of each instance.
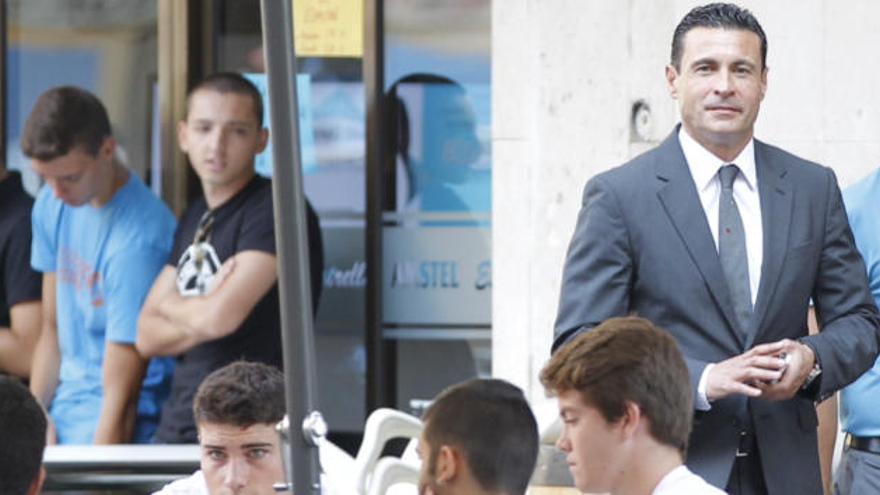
(108, 48)
(433, 140)
(438, 215)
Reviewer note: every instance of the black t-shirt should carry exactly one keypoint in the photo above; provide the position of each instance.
(18, 281)
(243, 223)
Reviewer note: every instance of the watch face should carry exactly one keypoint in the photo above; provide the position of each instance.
(814, 373)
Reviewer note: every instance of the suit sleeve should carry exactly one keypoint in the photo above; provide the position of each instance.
(850, 337)
(598, 272)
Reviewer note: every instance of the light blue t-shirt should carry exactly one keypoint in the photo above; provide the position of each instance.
(860, 401)
(105, 261)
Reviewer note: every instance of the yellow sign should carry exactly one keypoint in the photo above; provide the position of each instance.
(328, 28)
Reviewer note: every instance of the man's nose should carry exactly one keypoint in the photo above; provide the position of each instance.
(724, 82)
(236, 475)
(218, 140)
(56, 188)
(562, 443)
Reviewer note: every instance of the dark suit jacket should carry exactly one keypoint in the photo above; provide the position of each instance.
(642, 245)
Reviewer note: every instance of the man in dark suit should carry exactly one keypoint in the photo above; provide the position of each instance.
(723, 240)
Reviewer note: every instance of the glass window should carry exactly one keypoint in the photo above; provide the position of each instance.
(437, 269)
(108, 48)
(437, 235)
(332, 130)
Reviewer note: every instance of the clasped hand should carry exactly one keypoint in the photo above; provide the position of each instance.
(773, 371)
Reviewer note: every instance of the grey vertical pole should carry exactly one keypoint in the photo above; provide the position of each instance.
(291, 241)
(379, 385)
(4, 74)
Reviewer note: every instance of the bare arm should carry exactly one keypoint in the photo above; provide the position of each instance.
(17, 342)
(827, 412)
(47, 357)
(171, 324)
(123, 373)
(22, 286)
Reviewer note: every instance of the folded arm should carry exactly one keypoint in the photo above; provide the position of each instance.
(171, 324)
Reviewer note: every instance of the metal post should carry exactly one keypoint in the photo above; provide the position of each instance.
(4, 75)
(379, 387)
(291, 241)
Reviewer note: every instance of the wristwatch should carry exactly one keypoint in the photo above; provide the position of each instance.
(815, 372)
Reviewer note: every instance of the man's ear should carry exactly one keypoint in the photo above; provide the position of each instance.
(764, 82)
(448, 464)
(37, 483)
(108, 148)
(182, 136)
(671, 76)
(631, 419)
(264, 140)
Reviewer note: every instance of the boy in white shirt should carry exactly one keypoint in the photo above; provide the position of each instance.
(626, 405)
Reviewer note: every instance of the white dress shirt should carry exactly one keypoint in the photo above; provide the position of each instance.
(704, 167)
(191, 485)
(196, 485)
(681, 481)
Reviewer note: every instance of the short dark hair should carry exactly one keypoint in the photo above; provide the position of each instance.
(397, 115)
(716, 15)
(397, 119)
(23, 430)
(624, 360)
(241, 394)
(230, 82)
(492, 424)
(62, 119)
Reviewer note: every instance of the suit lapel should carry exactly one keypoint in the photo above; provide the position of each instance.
(679, 198)
(776, 208)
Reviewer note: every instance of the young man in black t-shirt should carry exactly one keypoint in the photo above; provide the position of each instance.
(19, 284)
(217, 299)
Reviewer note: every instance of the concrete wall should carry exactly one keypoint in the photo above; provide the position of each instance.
(565, 76)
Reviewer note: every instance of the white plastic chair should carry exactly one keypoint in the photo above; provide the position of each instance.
(383, 425)
(390, 474)
(367, 474)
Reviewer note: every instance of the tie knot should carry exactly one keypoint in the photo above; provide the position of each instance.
(727, 174)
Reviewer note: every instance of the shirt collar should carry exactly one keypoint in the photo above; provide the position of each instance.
(704, 165)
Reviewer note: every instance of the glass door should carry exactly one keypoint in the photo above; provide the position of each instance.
(437, 270)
